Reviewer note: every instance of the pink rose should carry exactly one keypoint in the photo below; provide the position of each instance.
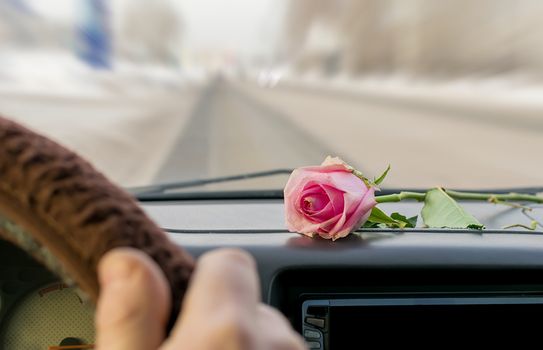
(327, 200)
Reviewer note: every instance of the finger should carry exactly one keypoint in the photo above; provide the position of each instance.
(134, 302)
(220, 303)
(276, 331)
(224, 277)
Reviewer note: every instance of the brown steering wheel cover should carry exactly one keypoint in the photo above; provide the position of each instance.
(76, 213)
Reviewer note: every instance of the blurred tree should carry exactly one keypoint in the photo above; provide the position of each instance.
(428, 37)
(150, 31)
(306, 23)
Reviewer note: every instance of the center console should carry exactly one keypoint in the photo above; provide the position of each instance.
(420, 308)
(420, 320)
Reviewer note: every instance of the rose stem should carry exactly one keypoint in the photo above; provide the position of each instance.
(491, 197)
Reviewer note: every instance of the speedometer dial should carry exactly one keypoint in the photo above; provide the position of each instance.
(52, 317)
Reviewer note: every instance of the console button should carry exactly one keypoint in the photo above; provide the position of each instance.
(313, 345)
(317, 322)
(312, 334)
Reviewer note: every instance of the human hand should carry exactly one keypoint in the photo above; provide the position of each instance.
(221, 309)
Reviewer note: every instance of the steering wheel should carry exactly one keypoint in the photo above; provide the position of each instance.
(64, 213)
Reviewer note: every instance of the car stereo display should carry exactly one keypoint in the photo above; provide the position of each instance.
(429, 322)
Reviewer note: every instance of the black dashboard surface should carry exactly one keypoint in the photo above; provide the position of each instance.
(258, 227)
(294, 268)
(412, 263)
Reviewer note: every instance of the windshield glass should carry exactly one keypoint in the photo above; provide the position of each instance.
(155, 91)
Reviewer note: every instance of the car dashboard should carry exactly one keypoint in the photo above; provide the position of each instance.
(408, 286)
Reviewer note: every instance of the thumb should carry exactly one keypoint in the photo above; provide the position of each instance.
(134, 302)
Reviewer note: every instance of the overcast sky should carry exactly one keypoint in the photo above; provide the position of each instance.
(236, 25)
(233, 24)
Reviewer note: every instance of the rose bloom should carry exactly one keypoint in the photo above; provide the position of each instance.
(327, 200)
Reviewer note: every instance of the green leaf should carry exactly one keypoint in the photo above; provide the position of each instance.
(367, 181)
(532, 227)
(379, 217)
(369, 224)
(440, 211)
(382, 177)
(409, 222)
(361, 176)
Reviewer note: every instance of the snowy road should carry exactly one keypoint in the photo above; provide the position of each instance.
(124, 137)
(231, 127)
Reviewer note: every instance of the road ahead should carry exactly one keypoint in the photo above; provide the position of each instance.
(237, 128)
(232, 127)
(231, 132)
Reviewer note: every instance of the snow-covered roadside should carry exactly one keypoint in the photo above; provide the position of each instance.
(59, 73)
(508, 94)
(126, 139)
(429, 135)
(124, 121)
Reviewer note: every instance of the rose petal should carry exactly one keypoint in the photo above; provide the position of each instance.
(316, 197)
(326, 227)
(323, 215)
(326, 169)
(358, 217)
(336, 198)
(327, 200)
(347, 182)
(336, 161)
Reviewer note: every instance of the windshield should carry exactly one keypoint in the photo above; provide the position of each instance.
(448, 92)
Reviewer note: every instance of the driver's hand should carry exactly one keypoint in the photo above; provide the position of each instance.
(221, 309)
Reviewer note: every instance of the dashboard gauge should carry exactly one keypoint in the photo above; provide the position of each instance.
(53, 317)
